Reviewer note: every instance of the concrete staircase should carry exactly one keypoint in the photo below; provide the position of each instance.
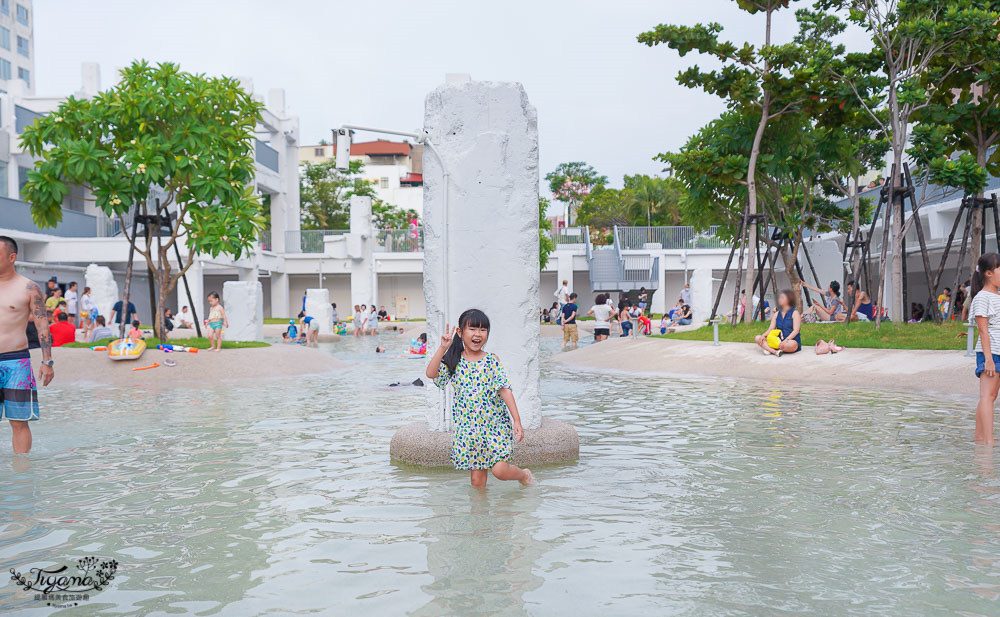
(610, 270)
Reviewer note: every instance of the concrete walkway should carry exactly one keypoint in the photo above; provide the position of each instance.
(948, 372)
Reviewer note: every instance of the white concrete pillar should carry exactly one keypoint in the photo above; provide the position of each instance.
(359, 249)
(702, 298)
(481, 228)
(564, 270)
(658, 303)
(318, 307)
(244, 304)
(103, 288)
(196, 279)
(280, 295)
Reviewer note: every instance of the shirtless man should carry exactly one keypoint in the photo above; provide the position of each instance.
(21, 300)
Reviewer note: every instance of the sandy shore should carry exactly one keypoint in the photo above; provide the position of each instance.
(928, 371)
(86, 366)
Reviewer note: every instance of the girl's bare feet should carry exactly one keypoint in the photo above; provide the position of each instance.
(528, 479)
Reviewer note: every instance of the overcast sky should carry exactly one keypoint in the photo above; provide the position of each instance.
(601, 97)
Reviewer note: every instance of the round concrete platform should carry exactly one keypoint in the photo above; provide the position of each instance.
(555, 442)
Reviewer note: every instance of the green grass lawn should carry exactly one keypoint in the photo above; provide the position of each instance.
(199, 342)
(926, 335)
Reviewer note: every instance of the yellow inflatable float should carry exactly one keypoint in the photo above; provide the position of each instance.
(126, 349)
(774, 338)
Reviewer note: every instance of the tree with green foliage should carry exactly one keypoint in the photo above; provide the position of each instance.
(325, 198)
(712, 165)
(963, 118)
(159, 128)
(545, 243)
(917, 46)
(604, 208)
(655, 201)
(770, 81)
(572, 182)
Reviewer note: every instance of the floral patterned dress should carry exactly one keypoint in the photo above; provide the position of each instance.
(484, 433)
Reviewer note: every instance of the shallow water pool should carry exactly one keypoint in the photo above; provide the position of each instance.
(691, 497)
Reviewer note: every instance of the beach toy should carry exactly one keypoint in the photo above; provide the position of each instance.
(341, 329)
(126, 349)
(99, 348)
(177, 348)
(143, 368)
(774, 338)
(169, 362)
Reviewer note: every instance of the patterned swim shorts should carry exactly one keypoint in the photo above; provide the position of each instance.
(18, 396)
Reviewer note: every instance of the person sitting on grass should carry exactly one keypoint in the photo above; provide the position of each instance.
(831, 305)
(683, 317)
(100, 330)
(62, 331)
(789, 321)
(134, 332)
(863, 308)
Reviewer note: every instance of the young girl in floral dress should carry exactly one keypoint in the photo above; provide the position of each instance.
(484, 411)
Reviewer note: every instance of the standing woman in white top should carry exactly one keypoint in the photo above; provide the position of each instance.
(601, 313)
(986, 311)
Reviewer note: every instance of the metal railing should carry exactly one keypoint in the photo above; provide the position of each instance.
(569, 235)
(309, 240)
(264, 240)
(16, 215)
(266, 155)
(399, 240)
(679, 237)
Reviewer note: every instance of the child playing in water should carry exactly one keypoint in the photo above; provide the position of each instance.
(216, 321)
(486, 418)
(985, 309)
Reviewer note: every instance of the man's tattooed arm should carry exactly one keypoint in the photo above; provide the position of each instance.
(41, 318)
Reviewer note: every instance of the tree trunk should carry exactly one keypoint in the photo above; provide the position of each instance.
(977, 222)
(791, 258)
(765, 111)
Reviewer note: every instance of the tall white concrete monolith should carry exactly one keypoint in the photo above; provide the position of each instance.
(701, 295)
(244, 304)
(360, 245)
(103, 288)
(481, 251)
(318, 307)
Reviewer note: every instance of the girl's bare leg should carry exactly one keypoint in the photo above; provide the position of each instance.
(506, 471)
(761, 341)
(988, 387)
(821, 312)
(478, 478)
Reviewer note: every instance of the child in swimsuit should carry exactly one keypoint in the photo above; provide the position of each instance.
(216, 321)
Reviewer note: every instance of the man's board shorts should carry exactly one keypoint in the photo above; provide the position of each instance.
(18, 395)
(570, 333)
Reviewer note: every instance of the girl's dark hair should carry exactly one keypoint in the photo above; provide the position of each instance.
(423, 337)
(601, 299)
(987, 262)
(136, 323)
(835, 288)
(788, 294)
(215, 295)
(472, 318)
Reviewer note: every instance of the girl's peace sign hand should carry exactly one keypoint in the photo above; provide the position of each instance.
(447, 335)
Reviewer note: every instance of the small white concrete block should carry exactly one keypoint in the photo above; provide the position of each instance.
(318, 306)
(244, 304)
(701, 295)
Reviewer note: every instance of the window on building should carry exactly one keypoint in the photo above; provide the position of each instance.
(5, 7)
(4, 69)
(4, 38)
(22, 179)
(3, 179)
(383, 182)
(24, 74)
(318, 152)
(22, 46)
(22, 15)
